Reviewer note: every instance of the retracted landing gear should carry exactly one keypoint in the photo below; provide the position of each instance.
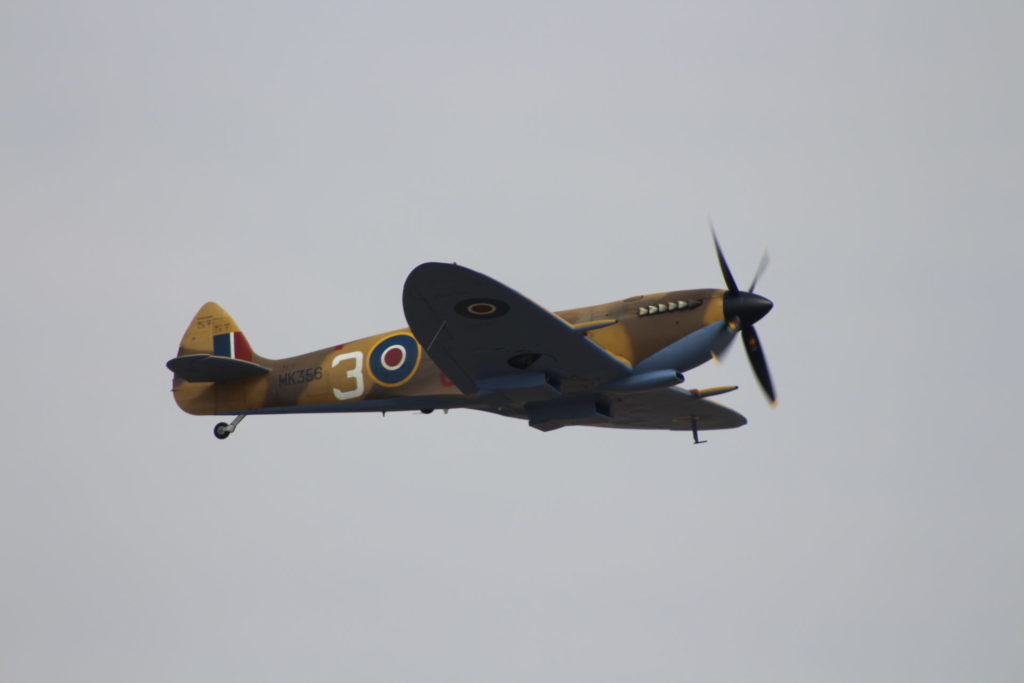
(693, 426)
(223, 429)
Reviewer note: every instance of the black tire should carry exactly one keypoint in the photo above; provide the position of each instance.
(221, 430)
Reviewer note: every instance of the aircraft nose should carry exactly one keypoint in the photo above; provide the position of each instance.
(746, 306)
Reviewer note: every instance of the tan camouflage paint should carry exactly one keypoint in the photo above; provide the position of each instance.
(320, 376)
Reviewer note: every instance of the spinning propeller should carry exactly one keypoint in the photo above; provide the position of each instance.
(742, 310)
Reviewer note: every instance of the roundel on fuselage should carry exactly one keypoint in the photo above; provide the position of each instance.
(394, 359)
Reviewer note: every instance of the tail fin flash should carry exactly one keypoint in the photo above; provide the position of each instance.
(232, 345)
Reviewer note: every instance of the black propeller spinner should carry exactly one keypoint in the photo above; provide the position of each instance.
(742, 310)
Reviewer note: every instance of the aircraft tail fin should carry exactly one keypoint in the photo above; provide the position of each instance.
(214, 349)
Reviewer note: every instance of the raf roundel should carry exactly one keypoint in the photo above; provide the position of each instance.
(394, 359)
(481, 309)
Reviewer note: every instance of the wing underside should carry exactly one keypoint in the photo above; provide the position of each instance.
(487, 337)
(670, 408)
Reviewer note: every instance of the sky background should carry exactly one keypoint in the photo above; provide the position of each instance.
(294, 161)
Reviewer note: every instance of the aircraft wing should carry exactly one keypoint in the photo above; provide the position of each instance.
(670, 408)
(483, 335)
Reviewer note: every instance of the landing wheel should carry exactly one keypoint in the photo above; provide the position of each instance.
(426, 411)
(223, 429)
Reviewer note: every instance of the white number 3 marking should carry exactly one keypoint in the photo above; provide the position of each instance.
(355, 373)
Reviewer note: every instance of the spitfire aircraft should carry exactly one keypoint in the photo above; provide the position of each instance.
(473, 342)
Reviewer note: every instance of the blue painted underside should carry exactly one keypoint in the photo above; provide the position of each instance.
(690, 351)
(376, 405)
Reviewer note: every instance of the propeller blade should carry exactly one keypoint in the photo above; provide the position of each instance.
(756, 356)
(731, 328)
(721, 355)
(760, 270)
(726, 273)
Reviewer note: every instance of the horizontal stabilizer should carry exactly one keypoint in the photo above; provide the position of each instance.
(206, 368)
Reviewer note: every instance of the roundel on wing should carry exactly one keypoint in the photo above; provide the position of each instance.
(481, 309)
(394, 359)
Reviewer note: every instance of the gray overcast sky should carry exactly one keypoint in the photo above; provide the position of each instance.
(294, 161)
